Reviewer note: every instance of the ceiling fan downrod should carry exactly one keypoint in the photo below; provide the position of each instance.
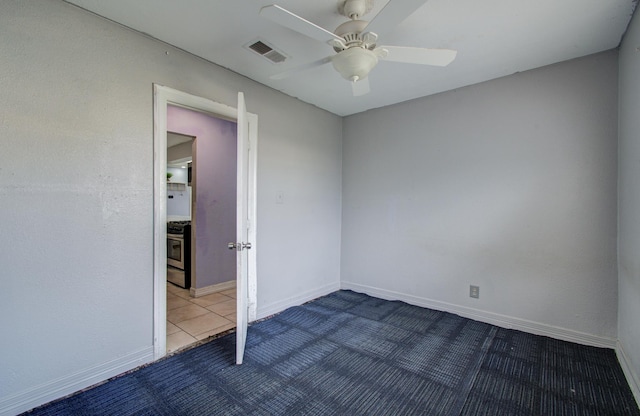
(355, 9)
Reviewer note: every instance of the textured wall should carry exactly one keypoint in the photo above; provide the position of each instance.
(508, 184)
(214, 193)
(629, 201)
(76, 194)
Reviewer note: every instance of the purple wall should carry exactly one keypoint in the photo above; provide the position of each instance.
(214, 217)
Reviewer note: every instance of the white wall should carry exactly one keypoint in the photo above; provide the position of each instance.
(629, 207)
(180, 175)
(179, 202)
(509, 185)
(76, 195)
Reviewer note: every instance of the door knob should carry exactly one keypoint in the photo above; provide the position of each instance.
(238, 246)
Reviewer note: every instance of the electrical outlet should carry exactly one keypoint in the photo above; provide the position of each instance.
(474, 291)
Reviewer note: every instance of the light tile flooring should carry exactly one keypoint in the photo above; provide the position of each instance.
(190, 320)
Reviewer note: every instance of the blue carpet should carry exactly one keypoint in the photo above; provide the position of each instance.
(352, 354)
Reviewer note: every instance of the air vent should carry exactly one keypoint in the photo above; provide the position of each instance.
(261, 48)
(266, 51)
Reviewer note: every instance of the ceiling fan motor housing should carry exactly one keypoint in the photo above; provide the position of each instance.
(351, 32)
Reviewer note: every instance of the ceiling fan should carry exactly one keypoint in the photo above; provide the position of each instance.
(355, 41)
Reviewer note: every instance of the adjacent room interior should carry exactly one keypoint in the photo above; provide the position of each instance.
(201, 271)
(509, 197)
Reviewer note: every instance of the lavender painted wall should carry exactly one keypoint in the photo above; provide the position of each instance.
(214, 193)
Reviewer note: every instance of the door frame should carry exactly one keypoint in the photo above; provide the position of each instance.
(162, 97)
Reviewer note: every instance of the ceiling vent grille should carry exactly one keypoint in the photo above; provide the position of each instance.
(266, 51)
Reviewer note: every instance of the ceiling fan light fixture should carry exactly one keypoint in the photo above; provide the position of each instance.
(354, 63)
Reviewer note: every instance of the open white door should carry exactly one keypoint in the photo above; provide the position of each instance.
(242, 244)
(246, 208)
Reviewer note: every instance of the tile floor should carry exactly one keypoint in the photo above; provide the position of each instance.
(193, 319)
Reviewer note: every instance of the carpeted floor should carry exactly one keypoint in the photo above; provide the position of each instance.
(352, 354)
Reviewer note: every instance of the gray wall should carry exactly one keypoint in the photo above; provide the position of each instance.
(509, 185)
(629, 204)
(76, 194)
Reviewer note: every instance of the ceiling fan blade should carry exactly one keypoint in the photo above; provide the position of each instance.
(394, 12)
(421, 56)
(301, 68)
(294, 22)
(360, 87)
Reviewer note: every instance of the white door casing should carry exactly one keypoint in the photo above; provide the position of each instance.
(164, 96)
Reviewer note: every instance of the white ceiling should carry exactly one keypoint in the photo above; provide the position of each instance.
(493, 38)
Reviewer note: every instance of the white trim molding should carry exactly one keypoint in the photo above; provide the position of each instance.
(207, 290)
(503, 321)
(279, 306)
(63, 386)
(632, 377)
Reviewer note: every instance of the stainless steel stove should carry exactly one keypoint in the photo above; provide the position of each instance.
(177, 227)
(179, 253)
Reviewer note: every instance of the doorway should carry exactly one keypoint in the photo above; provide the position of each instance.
(163, 98)
(201, 295)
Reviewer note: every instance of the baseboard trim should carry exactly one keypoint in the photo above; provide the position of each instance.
(487, 317)
(297, 300)
(66, 385)
(207, 290)
(632, 377)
